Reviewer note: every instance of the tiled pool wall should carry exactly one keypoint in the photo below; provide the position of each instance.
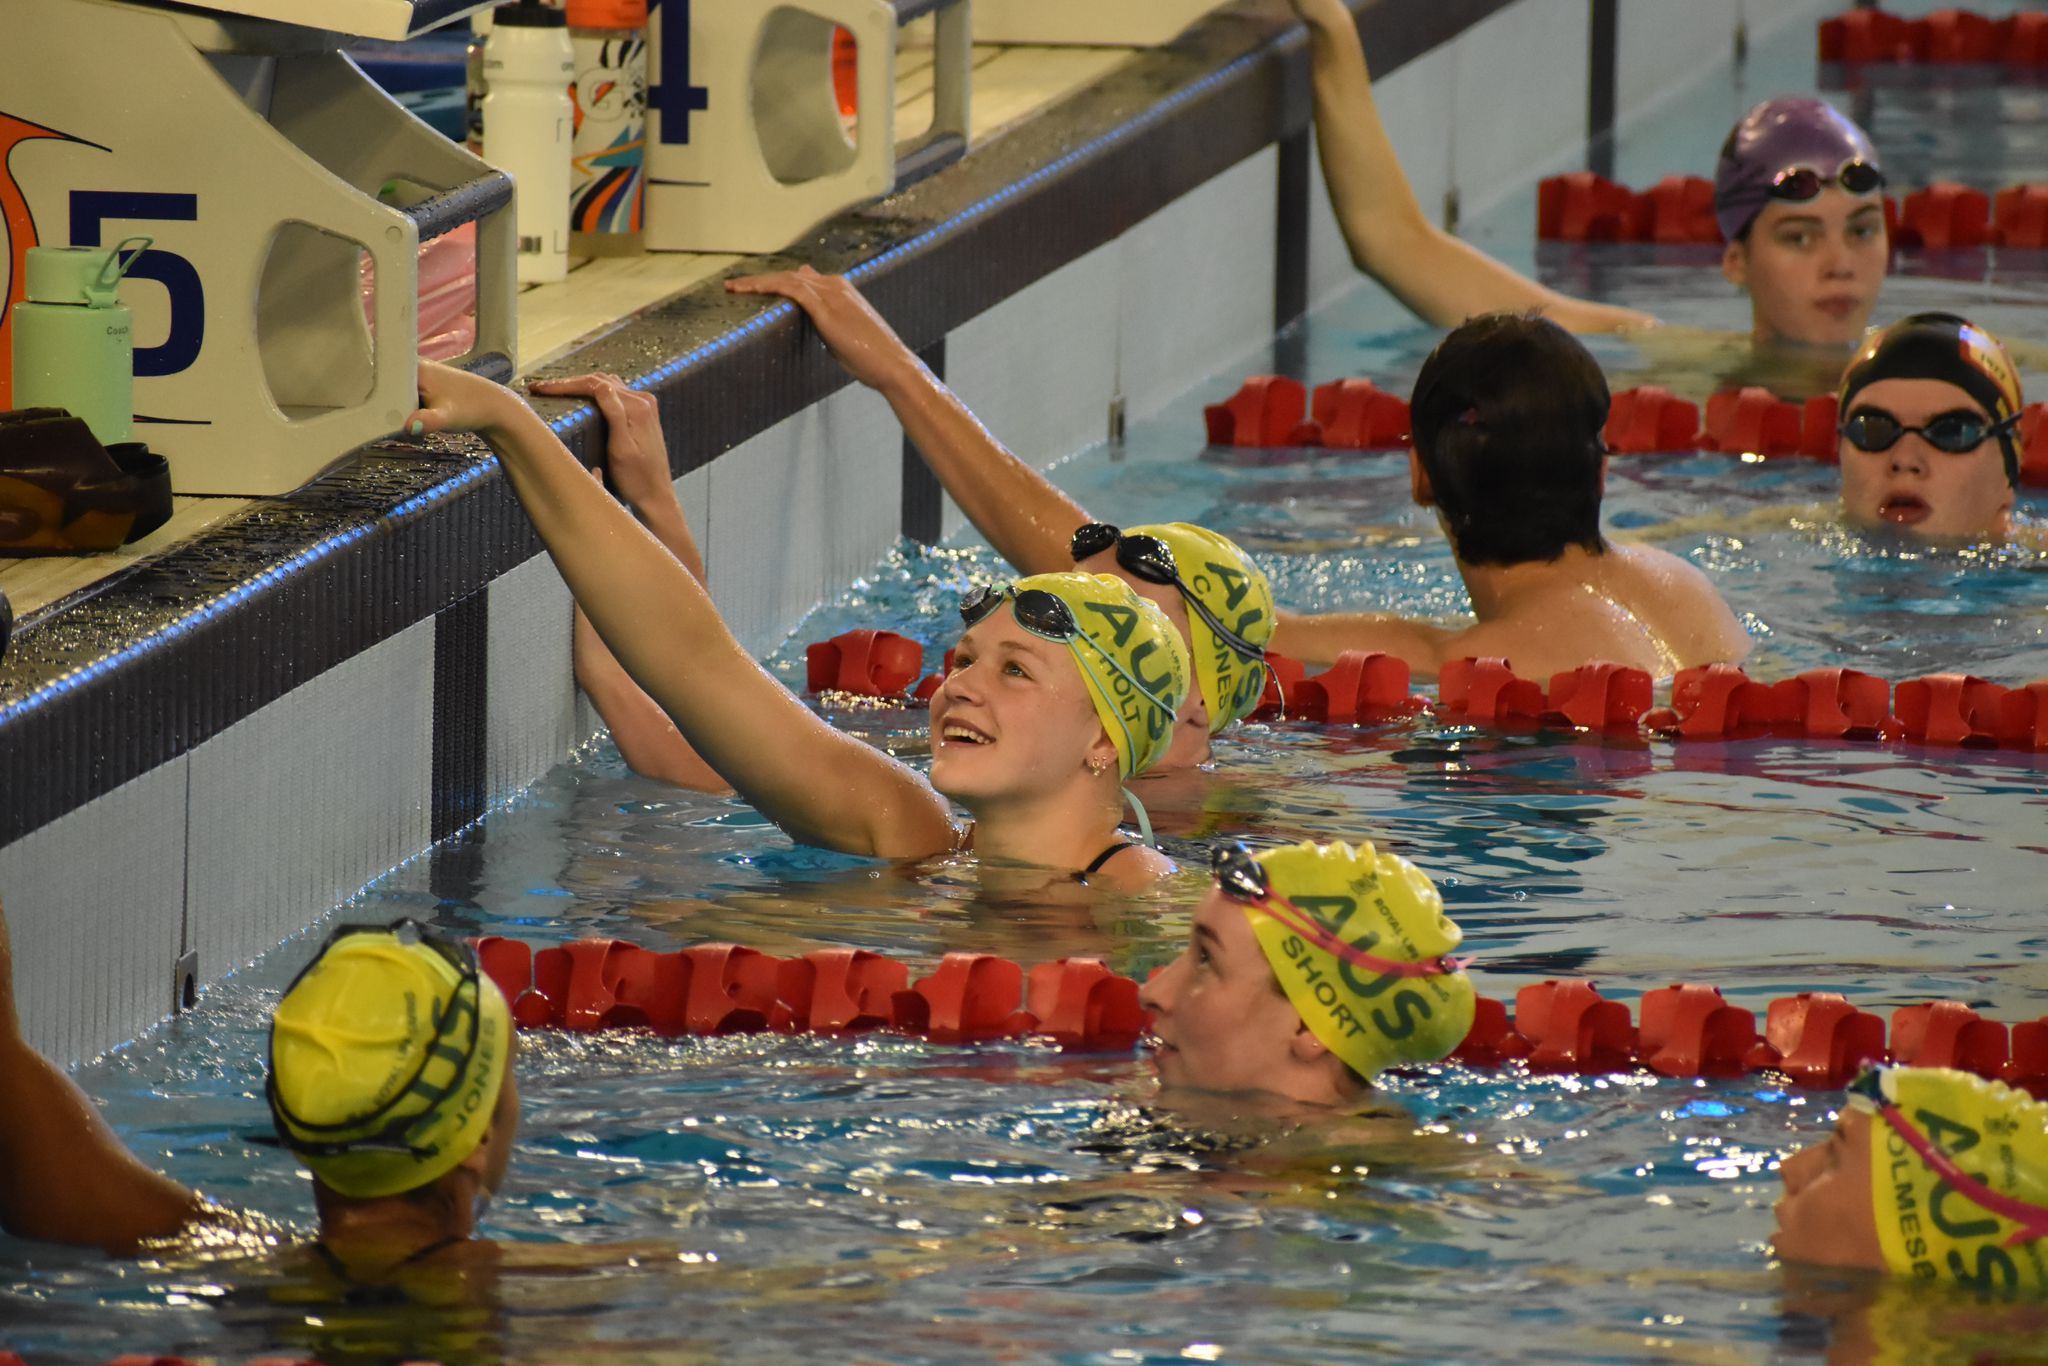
(194, 774)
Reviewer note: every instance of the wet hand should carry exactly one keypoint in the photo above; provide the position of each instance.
(636, 453)
(858, 337)
(453, 400)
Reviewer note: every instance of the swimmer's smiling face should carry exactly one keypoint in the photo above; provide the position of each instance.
(1220, 1020)
(1014, 715)
(1190, 745)
(1826, 1216)
(1929, 494)
(1812, 268)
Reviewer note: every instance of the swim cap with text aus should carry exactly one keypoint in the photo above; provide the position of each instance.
(1992, 1133)
(1381, 905)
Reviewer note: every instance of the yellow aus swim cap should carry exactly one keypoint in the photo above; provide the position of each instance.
(1360, 943)
(386, 1058)
(1958, 1177)
(1129, 654)
(1230, 606)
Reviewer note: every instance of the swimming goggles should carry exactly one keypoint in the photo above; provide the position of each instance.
(1867, 1093)
(1958, 432)
(458, 1028)
(1801, 183)
(1242, 878)
(1047, 614)
(1151, 559)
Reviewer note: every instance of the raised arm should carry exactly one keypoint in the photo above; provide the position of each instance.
(636, 457)
(64, 1176)
(1027, 520)
(822, 787)
(1443, 280)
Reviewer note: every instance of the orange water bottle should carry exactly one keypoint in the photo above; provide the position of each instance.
(607, 178)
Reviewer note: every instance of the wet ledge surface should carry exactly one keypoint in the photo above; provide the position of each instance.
(100, 689)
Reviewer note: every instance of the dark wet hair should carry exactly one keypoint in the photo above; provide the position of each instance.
(1507, 417)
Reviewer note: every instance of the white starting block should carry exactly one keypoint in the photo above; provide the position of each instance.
(1094, 23)
(265, 166)
(746, 149)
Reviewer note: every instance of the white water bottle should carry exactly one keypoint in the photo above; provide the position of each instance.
(529, 126)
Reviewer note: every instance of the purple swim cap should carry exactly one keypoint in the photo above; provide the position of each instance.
(1777, 136)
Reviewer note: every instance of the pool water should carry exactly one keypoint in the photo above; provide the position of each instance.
(763, 1198)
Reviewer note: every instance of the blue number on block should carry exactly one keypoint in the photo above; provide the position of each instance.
(91, 208)
(675, 99)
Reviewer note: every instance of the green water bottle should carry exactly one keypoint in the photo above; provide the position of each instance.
(73, 337)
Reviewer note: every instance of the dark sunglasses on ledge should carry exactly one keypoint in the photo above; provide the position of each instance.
(1801, 183)
(1957, 432)
(1151, 559)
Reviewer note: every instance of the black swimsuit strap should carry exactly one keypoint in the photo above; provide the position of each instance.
(340, 1268)
(1102, 858)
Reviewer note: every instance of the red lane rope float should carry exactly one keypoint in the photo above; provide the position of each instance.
(597, 984)
(1710, 702)
(870, 663)
(1584, 207)
(1273, 411)
(1267, 413)
(1682, 1030)
(1945, 37)
(1679, 210)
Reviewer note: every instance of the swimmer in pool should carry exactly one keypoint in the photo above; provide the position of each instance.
(1931, 1173)
(390, 1079)
(1927, 415)
(1064, 685)
(1507, 418)
(1928, 446)
(1308, 970)
(1215, 594)
(1798, 194)
(1539, 589)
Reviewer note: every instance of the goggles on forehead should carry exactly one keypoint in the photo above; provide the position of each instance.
(458, 1028)
(1243, 879)
(1867, 1093)
(1801, 183)
(1151, 559)
(1047, 614)
(1958, 432)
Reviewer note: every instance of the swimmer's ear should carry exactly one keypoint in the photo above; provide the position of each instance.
(1306, 1047)
(1735, 264)
(1418, 480)
(1102, 755)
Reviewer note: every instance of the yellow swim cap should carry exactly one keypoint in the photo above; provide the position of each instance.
(1958, 1177)
(386, 1058)
(1359, 941)
(1133, 660)
(1224, 589)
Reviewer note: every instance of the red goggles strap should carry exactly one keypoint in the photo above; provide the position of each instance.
(2031, 1218)
(1299, 921)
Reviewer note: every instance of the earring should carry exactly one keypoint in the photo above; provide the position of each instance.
(1098, 766)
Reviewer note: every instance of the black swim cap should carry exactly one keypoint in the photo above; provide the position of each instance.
(1951, 349)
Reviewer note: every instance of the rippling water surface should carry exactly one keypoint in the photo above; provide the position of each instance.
(882, 1200)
